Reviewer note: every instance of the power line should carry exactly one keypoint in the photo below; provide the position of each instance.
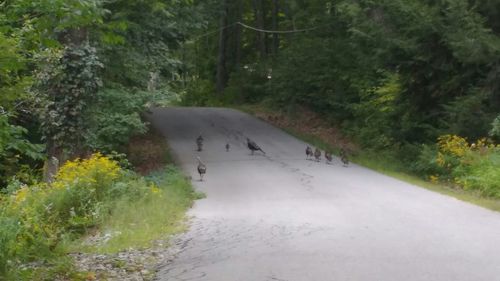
(258, 29)
(214, 31)
(278, 31)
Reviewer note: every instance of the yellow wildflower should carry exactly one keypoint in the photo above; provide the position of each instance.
(154, 189)
(21, 194)
(433, 178)
(92, 172)
(452, 144)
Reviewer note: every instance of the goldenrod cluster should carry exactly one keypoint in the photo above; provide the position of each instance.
(96, 171)
(452, 144)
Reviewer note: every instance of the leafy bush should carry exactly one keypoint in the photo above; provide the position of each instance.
(93, 192)
(199, 93)
(35, 218)
(495, 130)
(27, 233)
(109, 130)
(374, 114)
(81, 186)
(248, 85)
(13, 148)
(426, 163)
(482, 174)
(471, 166)
(9, 228)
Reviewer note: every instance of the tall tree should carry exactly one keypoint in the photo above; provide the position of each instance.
(275, 16)
(221, 76)
(261, 41)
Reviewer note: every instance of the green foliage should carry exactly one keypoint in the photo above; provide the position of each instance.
(248, 85)
(68, 84)
(495, 127)
(94, 192)
(470, 166)
(9, 228)
(11, 139)
(64, 46)
(481, 173)
(426, 163)
(12, 63)
(13, 149)
(375, 113)
(199, 93)
(148, 211)
(140, 37)
(469, 115)
(392, 72)
(110, 129)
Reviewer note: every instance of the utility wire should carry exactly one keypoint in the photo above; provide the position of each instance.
(258, 30)
(213, 31)
(278, 31)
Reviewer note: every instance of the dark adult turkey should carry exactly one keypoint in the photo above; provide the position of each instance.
(253, 146)
(309, 152)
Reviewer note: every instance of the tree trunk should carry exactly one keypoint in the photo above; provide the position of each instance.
(55, 151)
(54, 157)
(276, 42)
(221, 58)
(259, 23)
(237, 34)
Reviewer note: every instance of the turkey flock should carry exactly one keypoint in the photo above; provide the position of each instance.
(253, 147)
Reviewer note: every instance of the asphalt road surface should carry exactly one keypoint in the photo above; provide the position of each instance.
(282, 217)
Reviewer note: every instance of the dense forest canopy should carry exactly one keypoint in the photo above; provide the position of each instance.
(388, 71)
(75, 75)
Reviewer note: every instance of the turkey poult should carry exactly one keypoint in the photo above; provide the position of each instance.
(202, 168)
(253, 146)
(309, 152)
(328, 157)
(343, 157)
(317, 154)
(199, 142)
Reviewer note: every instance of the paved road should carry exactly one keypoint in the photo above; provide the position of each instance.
(281, 217)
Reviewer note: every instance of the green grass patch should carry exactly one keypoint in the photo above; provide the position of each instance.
(136, 223)
(41, 224)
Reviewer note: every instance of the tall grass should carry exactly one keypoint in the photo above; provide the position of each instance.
(39, 224)
(136, 223)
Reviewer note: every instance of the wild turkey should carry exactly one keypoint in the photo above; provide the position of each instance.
(199, 142)
(253, 146)
(343, 157)
(227, 146)
(309, 152)
(328, 157)
(317, 154)
(202, 168)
